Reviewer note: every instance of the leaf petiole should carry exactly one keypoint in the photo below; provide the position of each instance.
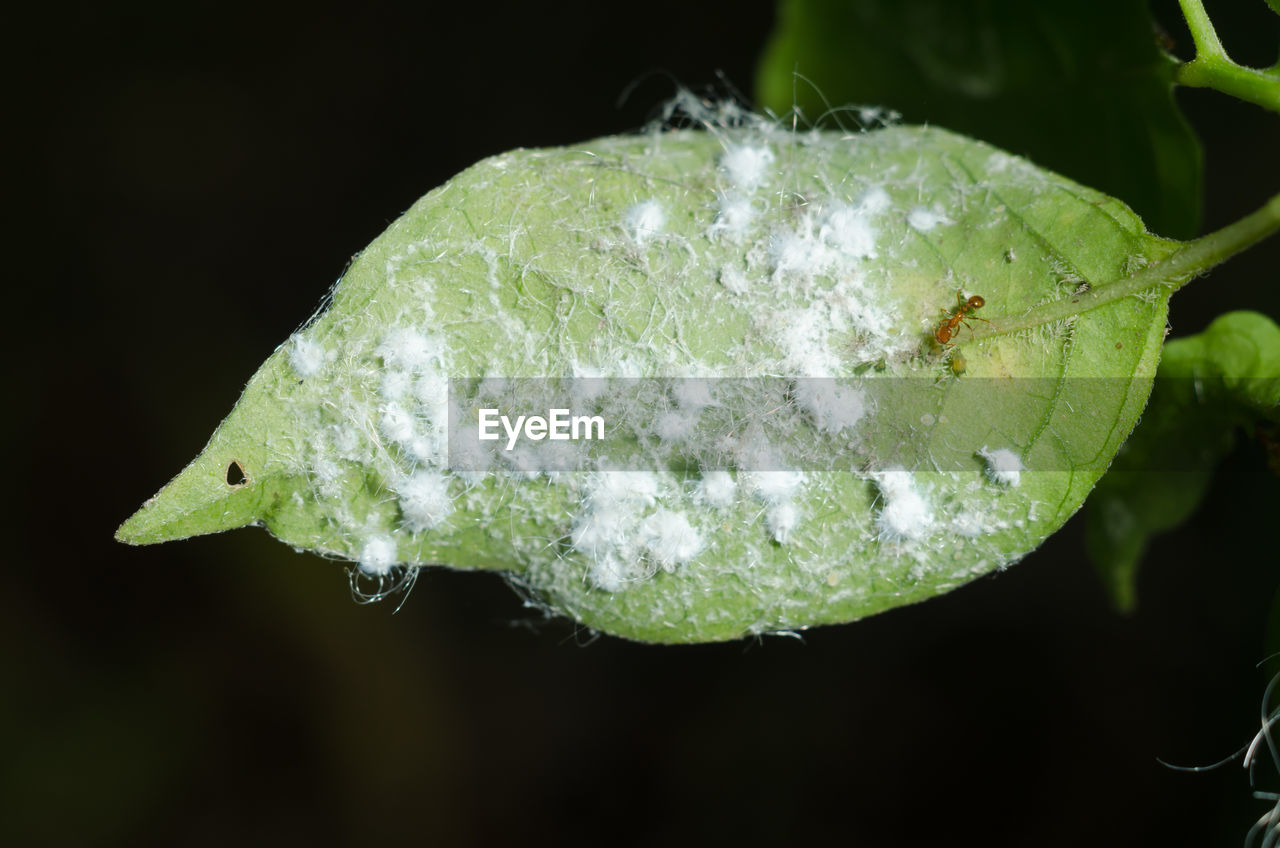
(1195, 257)
(1213, 68)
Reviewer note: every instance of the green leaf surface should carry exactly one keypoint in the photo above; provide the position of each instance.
(1079, 87)
(859, 474)
(1209, 386)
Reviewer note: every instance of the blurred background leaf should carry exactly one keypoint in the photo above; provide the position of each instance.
(1209, 388)
(1077, 86)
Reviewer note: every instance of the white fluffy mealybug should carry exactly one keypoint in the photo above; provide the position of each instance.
(904, 514)
(832, 405)
(716, 489)
(747, 165)
(669, 539)
(782, 519)
(1003, 466)
(409, 349)
(645, 220)
(425, 501)
(607, 528)
(923, 219)
(378, 555)
(306, 357)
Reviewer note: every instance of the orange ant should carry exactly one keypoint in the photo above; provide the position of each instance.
(964, 311)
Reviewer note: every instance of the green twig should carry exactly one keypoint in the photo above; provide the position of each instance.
(1213, 68)
(1194, 258)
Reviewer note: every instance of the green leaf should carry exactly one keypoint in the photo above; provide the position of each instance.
(803, 277)
(1079, 87)
(1208, 386)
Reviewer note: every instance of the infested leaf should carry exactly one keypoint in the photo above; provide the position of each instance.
(752, 312)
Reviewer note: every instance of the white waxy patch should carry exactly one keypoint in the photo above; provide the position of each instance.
(645, 220)
(782, 520)
(747, 166)
(848, 230)
(397, 424)
(734, 218)
(424, 500)
(1004, 467)
(670, 539)
(378, 555)
(408, 349)
(693, 394)
(676, 425)
(804, 336)
(306, 357)
(606, 530)
(395, 384)
(874, 201)
(734, 280)
(832, 405)
(923, 219)
(798, 254)
(716, 489)
(774, 486)
(904, 515)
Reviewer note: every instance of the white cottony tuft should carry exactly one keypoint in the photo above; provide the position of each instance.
(424, 500)
(306, 357)
(782, 519)
(1003, 466)
(735, 217)
(716, 489)
(904, 515)
(923, 220)
(747, 166)
(378, 555)
(670, 539)
(832, 404)
(645, 220)
(409, 349)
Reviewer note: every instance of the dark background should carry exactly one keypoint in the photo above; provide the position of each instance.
(202, 173)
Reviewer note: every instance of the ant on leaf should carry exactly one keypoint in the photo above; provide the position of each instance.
(964, 310)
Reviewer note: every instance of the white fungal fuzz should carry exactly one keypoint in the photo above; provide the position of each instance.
(1004, 467)
(378, 555)
(904, 515)
(645, 220)
(306, 357)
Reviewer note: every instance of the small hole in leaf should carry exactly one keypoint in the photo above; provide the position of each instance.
(235, 474)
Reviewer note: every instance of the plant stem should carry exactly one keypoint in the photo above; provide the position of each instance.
(1173, 273)
(1202, 31)
(1213, 68)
